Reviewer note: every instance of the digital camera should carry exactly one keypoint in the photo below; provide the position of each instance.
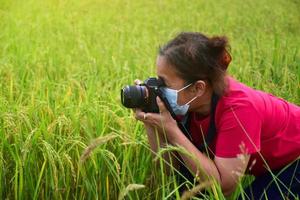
(143, 95)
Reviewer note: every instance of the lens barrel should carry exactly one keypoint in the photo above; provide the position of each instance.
(134, 96)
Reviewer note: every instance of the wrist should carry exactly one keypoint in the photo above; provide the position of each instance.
(174, 135)
(155, 133)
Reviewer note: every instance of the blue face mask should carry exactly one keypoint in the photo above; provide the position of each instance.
(172, 96)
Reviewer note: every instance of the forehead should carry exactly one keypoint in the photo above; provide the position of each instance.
(167, 72)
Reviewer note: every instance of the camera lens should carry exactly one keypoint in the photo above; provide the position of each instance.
(134, 96)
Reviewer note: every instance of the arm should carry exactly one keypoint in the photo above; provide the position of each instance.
(228, 167)
(157, 140)
(226, 171)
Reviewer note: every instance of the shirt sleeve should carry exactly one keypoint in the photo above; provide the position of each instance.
(238, 131)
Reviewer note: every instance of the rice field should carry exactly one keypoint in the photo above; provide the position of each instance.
(63, 131)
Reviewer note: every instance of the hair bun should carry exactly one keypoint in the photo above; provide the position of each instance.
(218, 47)
(218, 43)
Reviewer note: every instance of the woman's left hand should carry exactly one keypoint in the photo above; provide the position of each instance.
(162, 120)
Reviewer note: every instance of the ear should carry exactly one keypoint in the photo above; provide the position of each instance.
(199, 87)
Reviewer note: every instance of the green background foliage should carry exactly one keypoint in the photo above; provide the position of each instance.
(63, 63)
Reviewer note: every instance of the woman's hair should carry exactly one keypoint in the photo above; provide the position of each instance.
(198, 57)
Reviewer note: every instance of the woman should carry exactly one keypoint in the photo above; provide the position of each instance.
(245, 123)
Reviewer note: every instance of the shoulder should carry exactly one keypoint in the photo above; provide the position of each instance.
(237, 91)
(238, 96)
(238, 121)
(239, 110)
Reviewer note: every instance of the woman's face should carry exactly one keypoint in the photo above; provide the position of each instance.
(167, 73)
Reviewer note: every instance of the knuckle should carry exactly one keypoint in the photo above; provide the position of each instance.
(137, 81)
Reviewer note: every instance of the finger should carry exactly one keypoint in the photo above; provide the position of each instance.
(140, 115)
(137, 81)
(161, 105)
(150, 117)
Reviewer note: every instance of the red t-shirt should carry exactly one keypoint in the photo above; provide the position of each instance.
(253, 122)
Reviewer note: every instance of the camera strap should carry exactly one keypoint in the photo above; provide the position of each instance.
(212, 130)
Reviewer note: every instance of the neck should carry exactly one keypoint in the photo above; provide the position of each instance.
(204, 103)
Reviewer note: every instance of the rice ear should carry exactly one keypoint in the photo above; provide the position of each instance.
(129, 188)
(95, 143)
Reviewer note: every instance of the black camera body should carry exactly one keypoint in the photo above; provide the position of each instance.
(143, 96)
